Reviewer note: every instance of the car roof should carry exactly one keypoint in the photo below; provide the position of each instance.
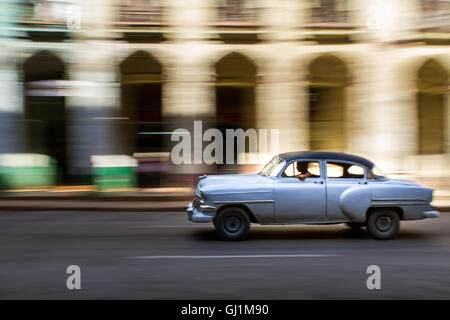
(298, 155)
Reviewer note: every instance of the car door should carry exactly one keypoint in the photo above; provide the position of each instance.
(341, 175)
(297, 200)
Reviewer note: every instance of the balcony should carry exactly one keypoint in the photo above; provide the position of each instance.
(140, 20)
(48, 20)
(328, 21)
(435, 15)
(434, 25)
(238, 21)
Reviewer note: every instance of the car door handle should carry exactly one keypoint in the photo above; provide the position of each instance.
(362, 182)
(318, 182)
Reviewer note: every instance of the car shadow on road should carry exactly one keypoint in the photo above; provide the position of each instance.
(311, 233)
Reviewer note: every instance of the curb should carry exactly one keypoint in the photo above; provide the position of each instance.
(73, 205)
(99, 198)
(99, 209)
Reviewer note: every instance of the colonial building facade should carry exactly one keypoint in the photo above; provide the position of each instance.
(81, 78)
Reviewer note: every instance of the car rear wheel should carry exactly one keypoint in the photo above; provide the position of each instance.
(232, 224)
(383, 224)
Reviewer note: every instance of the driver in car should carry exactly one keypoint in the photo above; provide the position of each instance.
(302, 168)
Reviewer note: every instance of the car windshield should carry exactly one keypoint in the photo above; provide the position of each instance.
(273, 167)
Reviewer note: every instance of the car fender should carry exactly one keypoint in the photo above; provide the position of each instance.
(355, 201)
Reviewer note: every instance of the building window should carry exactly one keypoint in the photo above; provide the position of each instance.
(238, 10)
(328, 11)
(435, 14)
(140, 12)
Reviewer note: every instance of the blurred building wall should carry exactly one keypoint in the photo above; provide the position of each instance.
(364, 77)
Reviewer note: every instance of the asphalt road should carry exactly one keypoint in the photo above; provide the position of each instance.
(163, 256)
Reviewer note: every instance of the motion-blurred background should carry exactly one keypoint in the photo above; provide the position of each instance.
(113, 78)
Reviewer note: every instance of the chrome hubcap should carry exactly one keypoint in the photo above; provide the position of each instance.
(232, 224)
(383, 223)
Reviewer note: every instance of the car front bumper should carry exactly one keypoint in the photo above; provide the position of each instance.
(195, 215)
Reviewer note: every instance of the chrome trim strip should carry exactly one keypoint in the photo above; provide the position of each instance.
(403, 203)
(245, 201)
(397, 199)
(240, 192)
(207, 208)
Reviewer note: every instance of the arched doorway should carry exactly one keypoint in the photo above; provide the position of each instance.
(142, 127)
(235, 94)
(327, 104)
(432, 87)
(45, 112)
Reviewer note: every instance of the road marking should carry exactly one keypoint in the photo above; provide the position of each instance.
(239, 256)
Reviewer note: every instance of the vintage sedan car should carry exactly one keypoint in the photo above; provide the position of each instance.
(310, 188)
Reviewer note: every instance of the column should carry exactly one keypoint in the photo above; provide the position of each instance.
(282, 100)
(92, 102)
(11, 133)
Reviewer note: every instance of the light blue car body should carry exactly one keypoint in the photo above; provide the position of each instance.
(287, 200)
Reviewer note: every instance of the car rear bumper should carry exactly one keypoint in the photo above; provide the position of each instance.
(430, 214)
(196, 215)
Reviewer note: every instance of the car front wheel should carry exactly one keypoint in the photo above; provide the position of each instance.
(383, 224)
(232, 224)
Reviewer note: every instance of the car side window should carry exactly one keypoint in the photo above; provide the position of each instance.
(292, 170)
(343, 170)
